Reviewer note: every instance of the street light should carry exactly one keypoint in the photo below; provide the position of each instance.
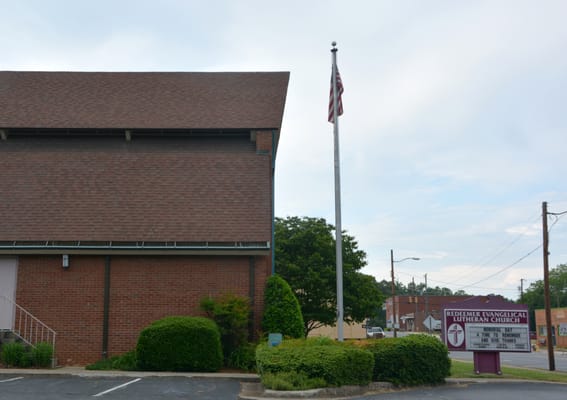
(392, 261)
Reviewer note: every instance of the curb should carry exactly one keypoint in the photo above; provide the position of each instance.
(82, 372)
(256, 391)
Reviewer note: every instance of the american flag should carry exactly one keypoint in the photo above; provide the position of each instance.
(339, 98)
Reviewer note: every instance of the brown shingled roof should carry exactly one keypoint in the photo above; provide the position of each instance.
(142, 100)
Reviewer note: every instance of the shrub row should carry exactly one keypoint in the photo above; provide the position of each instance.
(18, 355)
(336, 363)
(407, 361)
(410, 360)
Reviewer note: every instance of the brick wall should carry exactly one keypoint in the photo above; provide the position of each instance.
(142, 289)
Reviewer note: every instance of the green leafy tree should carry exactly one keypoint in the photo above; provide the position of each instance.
(282, 313)
(534, 296)
(305, 258)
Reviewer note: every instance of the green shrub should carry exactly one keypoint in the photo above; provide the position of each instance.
(18, 355)
(180, 344)
(13, 354)
(336, 363)
(410, 360)
(243, 357)
(42, 354)
(232, 315)
(282, 312)
(291, 381)
(126, 362)
(102, 365)
(27, 360)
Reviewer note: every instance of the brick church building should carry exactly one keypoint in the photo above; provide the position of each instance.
(127, 197)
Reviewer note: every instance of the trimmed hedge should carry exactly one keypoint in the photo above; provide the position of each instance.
(410, 360)
(180, 344)
(337, 363)
(282, 312)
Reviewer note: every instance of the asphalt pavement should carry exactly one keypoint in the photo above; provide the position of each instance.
(79, 384)
(536, 359)
(479, 390)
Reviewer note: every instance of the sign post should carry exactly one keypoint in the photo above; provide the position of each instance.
(486, 325)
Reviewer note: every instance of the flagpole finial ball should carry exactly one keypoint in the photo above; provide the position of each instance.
(334, 44)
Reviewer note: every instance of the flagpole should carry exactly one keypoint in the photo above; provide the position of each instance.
(338, 227)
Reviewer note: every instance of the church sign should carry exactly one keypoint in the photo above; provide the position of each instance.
(486, 329)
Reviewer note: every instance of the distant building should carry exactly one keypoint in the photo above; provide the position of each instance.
(558, 323)
(350, 331)
(413, 312)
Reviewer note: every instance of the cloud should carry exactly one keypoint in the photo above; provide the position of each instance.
(453, 132)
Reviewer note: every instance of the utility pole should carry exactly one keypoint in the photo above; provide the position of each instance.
(393, 293)
(550, 354)
(394, 311)
(415, 326)
(522, 290)
(427, 307)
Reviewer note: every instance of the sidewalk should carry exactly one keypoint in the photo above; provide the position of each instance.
(82, 372)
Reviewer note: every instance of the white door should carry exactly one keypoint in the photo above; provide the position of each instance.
(8, 276)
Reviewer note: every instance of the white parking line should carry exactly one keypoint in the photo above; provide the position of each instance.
(116, 388)
(12, 379)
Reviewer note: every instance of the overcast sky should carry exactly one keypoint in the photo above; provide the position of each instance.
(454, 126)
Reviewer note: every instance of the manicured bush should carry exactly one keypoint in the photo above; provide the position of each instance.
(41, 354)
(336, 363)
(282, 312)
(410, 360)
(13, 354)
(232, 315)
(291, 381)
(180, 344)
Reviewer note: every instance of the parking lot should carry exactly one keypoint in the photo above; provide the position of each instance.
(48, 387)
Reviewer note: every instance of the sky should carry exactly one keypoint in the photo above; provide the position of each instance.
(454, 128)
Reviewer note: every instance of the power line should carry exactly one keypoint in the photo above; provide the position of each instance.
(505, 268)
(521, 258)
(451, 284)
(557, 216)
(495, 256)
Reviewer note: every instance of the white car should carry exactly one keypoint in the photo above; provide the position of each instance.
(375, 333)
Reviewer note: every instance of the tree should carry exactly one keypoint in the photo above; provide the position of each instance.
(305, 258)
(282, 313)
(534, 296)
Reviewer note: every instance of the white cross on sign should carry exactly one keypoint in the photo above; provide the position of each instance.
(456, 335)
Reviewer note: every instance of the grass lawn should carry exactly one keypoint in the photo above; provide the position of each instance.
(465, 369)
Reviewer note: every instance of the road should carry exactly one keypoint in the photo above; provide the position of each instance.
(491, 390)
(536, 359)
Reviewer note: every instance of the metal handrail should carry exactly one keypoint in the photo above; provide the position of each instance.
(29, 328)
